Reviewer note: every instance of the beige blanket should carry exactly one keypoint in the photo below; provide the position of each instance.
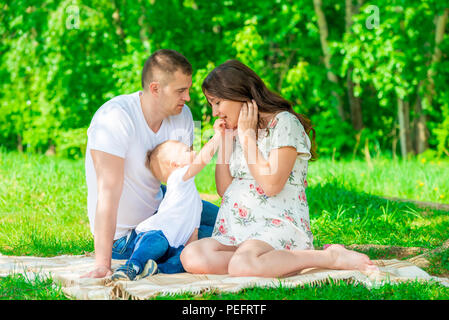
(66, 270)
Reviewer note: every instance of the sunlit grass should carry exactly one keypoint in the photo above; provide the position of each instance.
(410, 179)
(19, 287)
(43, 212)
(333, 290)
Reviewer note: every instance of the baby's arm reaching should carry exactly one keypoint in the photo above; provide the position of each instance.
(207, 152)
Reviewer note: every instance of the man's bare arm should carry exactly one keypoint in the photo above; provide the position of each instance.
(109, 170)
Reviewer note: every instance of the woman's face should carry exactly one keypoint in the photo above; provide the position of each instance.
(227, 110)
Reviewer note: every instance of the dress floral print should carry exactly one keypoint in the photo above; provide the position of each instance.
(246, 212)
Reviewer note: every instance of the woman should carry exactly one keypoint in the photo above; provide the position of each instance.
(262, 227)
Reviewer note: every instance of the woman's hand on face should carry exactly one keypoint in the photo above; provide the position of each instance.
(248, 118)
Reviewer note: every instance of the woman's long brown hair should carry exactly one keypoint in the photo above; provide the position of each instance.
(235, 81)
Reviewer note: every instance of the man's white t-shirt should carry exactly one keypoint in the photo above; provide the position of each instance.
(119, 128)
(179, 212)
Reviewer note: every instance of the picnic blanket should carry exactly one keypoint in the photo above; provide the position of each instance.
(65, 270)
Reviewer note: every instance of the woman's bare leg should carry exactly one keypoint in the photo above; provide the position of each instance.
(258, 258)
(207, 255)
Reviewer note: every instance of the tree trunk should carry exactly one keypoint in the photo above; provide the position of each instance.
(284, 70)
(404, 126)
(322, 25)
(394, 144)
(118, 25)
(436, 57)
(421, 130)
(359, 4)
(404, 117)
(354, 102)
(145, 29)
(348, 16)
(19, 143)
(408, 132)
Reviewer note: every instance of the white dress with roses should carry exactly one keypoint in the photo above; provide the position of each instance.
(247, 213)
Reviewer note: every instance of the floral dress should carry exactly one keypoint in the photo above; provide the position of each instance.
(247, 213)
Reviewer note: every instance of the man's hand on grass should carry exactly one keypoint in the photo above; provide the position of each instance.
(98, 272)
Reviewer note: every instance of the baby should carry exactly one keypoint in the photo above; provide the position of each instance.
(161, 238)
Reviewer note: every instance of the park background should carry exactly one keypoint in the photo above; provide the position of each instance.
(367, 73)
(373, 76)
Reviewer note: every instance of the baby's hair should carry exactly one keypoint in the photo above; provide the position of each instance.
(151, 160)
(150, 154)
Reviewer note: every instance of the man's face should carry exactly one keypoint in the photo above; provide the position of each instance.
(175, 93)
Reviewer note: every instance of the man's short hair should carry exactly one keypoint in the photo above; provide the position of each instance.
(168, 62)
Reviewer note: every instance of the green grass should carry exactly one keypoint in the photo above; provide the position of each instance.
(412, 179)
(43, 206)
(43, 213)
(334, 290)
(19, 287)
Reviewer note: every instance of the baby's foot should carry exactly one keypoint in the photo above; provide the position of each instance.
(149, 269)
(127, 272)
(344, 259)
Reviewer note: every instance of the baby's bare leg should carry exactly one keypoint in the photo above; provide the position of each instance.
(207, 255)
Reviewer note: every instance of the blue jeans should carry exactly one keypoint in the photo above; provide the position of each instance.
(154, 245)
(124, 247)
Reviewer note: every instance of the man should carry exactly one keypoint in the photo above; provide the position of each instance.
(122, 192)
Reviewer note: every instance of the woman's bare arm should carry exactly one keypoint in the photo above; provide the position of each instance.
(271, 174)
(223, 176)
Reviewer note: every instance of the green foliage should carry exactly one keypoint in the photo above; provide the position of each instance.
(328, 124)
(61, 60)
(72, 143)
(392, 61)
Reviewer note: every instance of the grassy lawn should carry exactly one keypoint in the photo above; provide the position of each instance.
(43, 213)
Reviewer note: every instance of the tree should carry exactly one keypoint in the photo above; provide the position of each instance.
(354, 101)
(324, 32)
(60, 61)
(421, 127)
